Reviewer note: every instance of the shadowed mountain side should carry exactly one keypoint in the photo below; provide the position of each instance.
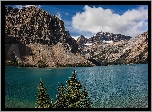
(95, 62)
(36, 35)
(18, 51)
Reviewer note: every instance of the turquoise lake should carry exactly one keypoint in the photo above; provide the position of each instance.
(117, 86)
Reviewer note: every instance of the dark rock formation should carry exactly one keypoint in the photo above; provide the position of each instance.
(81, 40)
(134, 50)
(33, 35)
(34, 25)
(100, 37)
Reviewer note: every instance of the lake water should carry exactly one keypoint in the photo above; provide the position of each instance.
(116, 86)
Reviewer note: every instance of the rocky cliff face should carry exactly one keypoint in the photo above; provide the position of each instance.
(32, 34)
(34, 25)
(102, 36)
(81, 40)
(134, 50)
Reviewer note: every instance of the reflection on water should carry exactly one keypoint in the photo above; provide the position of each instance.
(110, 86)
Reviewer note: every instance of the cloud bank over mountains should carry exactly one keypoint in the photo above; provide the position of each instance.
(21, 6)
(92, 19)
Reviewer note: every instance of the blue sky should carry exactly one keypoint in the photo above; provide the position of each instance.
(87, 20)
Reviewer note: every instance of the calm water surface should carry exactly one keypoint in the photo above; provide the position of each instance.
(115, 86)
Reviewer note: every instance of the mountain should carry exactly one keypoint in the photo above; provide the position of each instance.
(31, 35)
(81, 40)
(133, 50)
(100, 37)
(136, 50)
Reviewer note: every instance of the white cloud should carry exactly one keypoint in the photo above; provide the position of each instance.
(21, 6)
(132, 22)
(59, 15)
(75, 32)
(75, 37)
(38, 6)
(18, 6)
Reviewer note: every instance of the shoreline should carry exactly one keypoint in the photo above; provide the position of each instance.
(74, 66)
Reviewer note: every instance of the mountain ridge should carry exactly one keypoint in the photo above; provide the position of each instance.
(134, 50)
(102, 36)
(33, 35)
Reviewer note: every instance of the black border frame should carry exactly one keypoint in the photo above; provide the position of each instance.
(3, 3)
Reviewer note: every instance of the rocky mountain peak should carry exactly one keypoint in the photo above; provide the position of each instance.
(32, 35)
(81, 37)
(134, 50)
(81, 40)
(34, 25)
(102, 36)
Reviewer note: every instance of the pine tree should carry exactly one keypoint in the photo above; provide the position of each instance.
(61, 97)
(86, 101)
(43, 100)
(72, 96)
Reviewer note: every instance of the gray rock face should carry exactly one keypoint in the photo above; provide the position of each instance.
(34, 25)
(31, 34)
(81, 40)
(100, 37)
(134, 50)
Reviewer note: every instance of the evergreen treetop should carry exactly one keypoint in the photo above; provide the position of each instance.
(70, 96)
(43, 100)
